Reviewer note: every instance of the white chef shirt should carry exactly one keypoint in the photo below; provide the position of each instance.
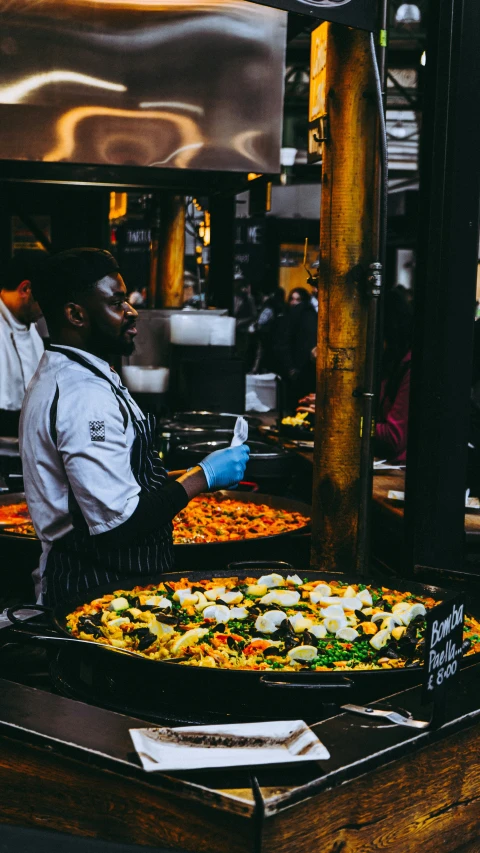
(90, 455)
(21, 349)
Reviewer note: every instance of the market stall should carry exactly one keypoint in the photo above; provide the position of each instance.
(349, 654)
(384, 785)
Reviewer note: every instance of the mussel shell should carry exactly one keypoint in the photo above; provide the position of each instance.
(466, 645)
(166, 618)
(140, 632)
(146, 641)
(272, 650)
(391, 653)
(291, 642)
(90, 628)
(386, 607)
(309, 639)
(362, 617)
(94, 618)
(220, 627)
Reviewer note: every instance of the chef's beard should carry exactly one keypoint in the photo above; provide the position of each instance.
(112, 344)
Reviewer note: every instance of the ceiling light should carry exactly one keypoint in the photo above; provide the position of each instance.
(287, 156)
(398, 130)
(408, 14)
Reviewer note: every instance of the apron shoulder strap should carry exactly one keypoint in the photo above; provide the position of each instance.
(122, 401)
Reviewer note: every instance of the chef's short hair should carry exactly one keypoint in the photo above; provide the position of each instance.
(26, 265)
(69, 275)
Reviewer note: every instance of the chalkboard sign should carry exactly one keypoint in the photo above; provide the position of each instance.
(352, 13)
(443, 647)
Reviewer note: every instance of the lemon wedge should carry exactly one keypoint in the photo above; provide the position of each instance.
(302, 653)
(347, 634)
(188, 639)
(380, 640)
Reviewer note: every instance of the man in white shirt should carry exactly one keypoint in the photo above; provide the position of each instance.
(100, 500)
(21, 346)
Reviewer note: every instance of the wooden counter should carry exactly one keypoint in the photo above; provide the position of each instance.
(70, 767)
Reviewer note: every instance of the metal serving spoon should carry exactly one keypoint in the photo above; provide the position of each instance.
(61, 640)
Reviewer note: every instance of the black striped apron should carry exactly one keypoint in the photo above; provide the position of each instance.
(75, 563)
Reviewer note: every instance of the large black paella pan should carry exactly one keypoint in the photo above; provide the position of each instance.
(257, 692)
(25, 549)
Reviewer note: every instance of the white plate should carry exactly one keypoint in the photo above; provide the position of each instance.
(251, 744)
(472, 505)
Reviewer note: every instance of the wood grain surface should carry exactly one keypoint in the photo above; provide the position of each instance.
(171, 252)
(51, 791)
(383, 483)
(346, 239)
(426, 803)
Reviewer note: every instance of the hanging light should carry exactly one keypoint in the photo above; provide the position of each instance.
(287, 160)
(423, 58)
(398, 130)
(407, 15)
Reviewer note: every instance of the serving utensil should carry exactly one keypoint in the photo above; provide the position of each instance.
(392, 716)
(240, 433)
(60, 641)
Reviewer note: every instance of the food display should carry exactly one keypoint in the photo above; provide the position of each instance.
(208, 519)
(298, 420)
(15, 518)
(205, 519)
(266, 623)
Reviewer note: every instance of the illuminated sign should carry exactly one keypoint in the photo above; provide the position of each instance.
(317, 109)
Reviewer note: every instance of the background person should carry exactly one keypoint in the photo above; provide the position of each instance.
(295, 339)
(272, 308)
(391, 430)
(21, 347)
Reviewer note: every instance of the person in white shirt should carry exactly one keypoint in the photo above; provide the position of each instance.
(21, 346)
(100, 500)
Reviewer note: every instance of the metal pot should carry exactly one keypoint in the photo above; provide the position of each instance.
(261, 694)
(190, 427)
(213, 420)
(269, 466)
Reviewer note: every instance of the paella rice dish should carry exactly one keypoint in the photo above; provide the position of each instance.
(206, 519)
(266, 623)
(210, 519)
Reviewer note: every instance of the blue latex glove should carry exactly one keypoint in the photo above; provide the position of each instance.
(225, 468)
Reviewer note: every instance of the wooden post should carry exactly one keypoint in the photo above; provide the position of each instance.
(171, 252)
(349, 177)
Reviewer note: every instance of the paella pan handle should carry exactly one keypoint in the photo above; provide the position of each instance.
(259, 564)
(342, 684)
(22, 623)
(60, 642)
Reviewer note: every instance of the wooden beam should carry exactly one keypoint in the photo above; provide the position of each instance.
(171, 252)
(346, 250)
